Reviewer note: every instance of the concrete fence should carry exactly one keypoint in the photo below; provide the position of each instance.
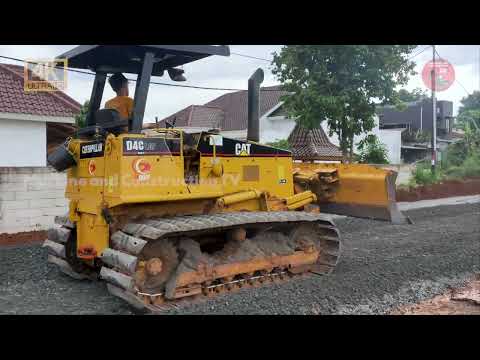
(30, 198)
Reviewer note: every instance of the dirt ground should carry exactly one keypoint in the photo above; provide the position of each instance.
(382, 268)
(436, 191)
(461, 301)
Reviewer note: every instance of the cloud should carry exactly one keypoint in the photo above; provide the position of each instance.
(234, 71)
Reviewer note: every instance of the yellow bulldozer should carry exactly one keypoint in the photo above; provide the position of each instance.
(167, 214)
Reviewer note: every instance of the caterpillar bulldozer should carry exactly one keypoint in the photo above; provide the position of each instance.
(166, 214)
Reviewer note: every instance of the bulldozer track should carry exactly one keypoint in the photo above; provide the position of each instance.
(212, 290)
(122, 258)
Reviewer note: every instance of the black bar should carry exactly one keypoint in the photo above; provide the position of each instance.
(253, 131)
(141, 93)
(96, 97)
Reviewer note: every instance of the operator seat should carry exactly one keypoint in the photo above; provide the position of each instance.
(107, 120)
(110, 119)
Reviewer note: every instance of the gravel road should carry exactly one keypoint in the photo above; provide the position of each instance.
(382, 267)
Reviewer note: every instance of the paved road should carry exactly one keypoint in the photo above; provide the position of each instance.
(383, 266)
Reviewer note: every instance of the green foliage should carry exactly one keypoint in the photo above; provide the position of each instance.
(372, 151)
(461, 160)
(469, 112)
(410, 96)
(469, 118)
(81, 118)
(280, 144)
(463, 157)
(470, 102)
(404, 96)
(338, 83)
(455, 154)
(422, 175)
(469, 168)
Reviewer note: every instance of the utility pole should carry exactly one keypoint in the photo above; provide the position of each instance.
(434, 117)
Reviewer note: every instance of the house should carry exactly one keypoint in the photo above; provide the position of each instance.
(417, 118)
(29, 119)
(418, 115)
(391, 138)
(229, 114)
(31, 124)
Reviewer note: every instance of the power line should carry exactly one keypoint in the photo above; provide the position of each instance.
(251, 57)
(424, 49)
(134, 80)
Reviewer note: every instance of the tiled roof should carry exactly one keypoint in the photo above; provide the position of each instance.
(13, 98)
(312, 145)
(229, 111)
(198, 116)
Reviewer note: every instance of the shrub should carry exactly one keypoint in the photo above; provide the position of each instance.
(280, 144)
(469, 168)
(422, 175)
(372, 151)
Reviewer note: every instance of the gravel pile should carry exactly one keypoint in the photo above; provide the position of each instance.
(382, 267)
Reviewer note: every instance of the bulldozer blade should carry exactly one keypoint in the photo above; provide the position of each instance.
(363, 191)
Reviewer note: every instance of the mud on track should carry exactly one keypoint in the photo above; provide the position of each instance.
(383, 266)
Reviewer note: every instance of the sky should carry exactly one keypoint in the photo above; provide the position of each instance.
(234, 71)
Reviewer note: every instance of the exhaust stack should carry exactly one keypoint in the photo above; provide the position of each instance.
(253, 132)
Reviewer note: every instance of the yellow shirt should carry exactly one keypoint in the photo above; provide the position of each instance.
(123, 104)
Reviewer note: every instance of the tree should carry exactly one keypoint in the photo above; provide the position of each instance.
(414, 95)
(372, 151)
(469, 112)
(469, 118)
(280, 144)
(81, 118)
(470, 102)
(338, 83)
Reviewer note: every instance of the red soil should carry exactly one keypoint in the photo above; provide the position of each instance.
(442, 190)
(28, 237)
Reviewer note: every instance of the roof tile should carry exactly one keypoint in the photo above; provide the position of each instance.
(312, 144)
(230, 109)
(14, 99)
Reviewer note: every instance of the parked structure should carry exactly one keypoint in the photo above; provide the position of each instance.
(31, 193)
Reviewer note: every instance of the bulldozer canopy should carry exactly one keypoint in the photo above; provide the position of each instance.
(129, 58)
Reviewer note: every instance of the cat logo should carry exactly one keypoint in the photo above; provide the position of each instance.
(242, 149)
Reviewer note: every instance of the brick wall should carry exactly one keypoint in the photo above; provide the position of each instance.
(30, 198)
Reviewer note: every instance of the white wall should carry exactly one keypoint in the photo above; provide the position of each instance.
(23, 143)
(392, 139)
(30, 198)
(275, 128)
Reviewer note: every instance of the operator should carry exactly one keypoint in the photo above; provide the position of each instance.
(122, 102)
